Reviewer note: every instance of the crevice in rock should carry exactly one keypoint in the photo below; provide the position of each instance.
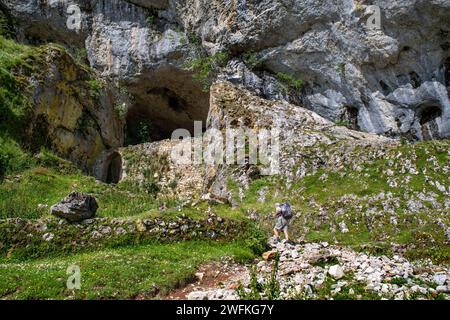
(406, 49)
(415, 80)
(385, 88)
(428, 119)
(350, 117)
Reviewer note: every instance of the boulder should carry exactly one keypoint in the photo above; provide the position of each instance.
(443, 289)
(440, 279)
(198, 295)
(269, 255)
(336, 272)
(76, 207)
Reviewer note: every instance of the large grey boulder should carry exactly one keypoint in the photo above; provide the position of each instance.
(76, 207)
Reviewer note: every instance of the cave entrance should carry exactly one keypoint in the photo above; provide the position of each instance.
(113, 168)
(429, 122)
(168, 100)
(350, 118)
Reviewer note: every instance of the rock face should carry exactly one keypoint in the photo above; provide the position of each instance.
(392, 80)
(76, 207)
(70, 110)
(303, 66)
(76, 119)
(230, 107)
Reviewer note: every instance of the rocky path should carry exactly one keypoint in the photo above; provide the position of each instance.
(214, 281)
(322, 271)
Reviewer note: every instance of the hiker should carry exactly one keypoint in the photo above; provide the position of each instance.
(283, 214)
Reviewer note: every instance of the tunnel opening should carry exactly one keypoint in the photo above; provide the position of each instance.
(429, 117)
(168, 100)
(350, 117)
(113, 168)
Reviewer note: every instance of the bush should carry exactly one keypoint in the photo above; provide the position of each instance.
(6, 25)
(152, 16)
(151, 186)
(48, 159)
(340, 68)
(12, 158)
(81, 56)
(195, 39)
(268, 289)
(256, 239)
(289, 83)
(205, 68)
(14, 106)
(143, 132)
(251, 60)
(95, 87)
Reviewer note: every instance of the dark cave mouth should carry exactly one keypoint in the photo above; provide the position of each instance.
(429, 122)
(112, 169)
(161, 111)
(350, 118)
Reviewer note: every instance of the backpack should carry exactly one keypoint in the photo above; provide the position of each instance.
(286, 211)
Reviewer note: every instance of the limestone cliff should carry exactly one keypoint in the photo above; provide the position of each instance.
(393, 80)
(320, 55)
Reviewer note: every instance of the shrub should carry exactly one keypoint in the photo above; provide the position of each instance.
(289, 83)
(268, 289)
(251, 60)
(95, 87)
(48, 159)
(340, 68)
(81, 56)
(205, 68)
(173, 184)
(195, 39)
(255, 287)
(151, 186)
(6, 25)
(144, 129)
(12, 158)
(152, 16)
(256, 239)
(14, 106)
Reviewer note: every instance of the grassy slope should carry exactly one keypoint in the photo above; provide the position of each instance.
(23, 195)
(327, 198)
(114, 274)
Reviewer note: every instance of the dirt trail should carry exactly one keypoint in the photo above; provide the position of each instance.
(212, 277)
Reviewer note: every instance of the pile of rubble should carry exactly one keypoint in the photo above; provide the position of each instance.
(323, 271)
